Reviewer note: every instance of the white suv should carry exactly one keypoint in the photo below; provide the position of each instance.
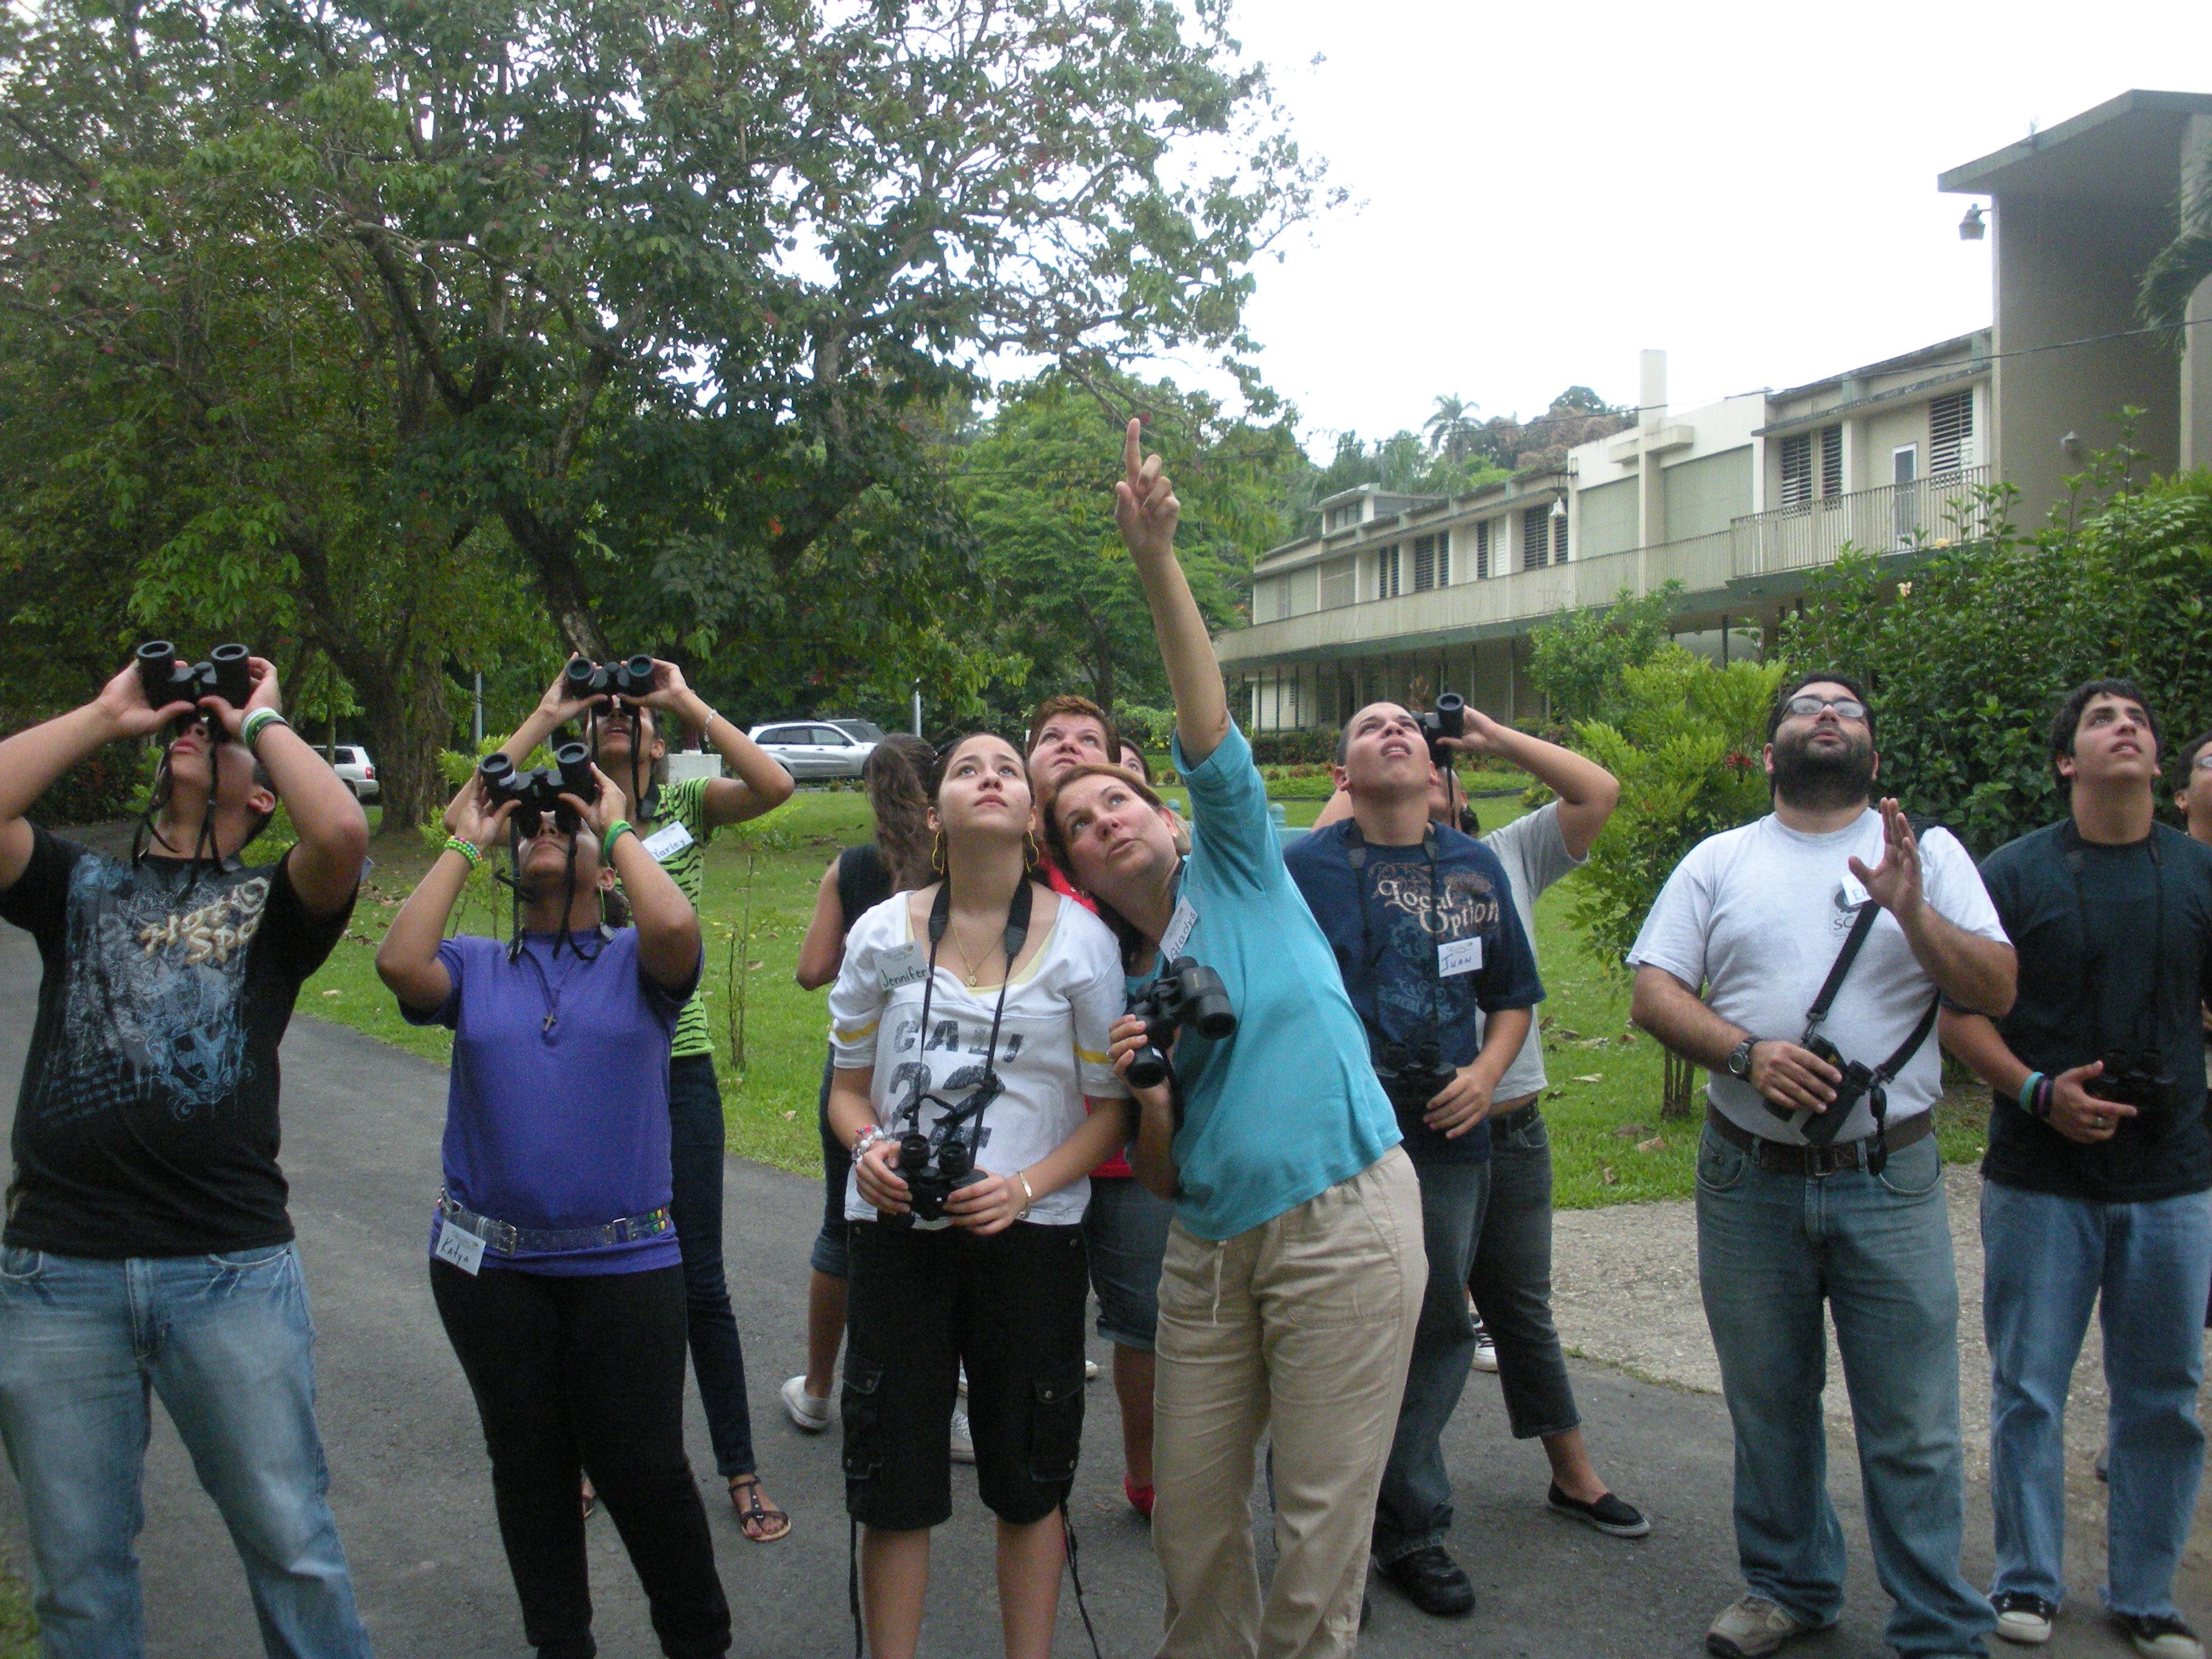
(812, 748)
(351, 761)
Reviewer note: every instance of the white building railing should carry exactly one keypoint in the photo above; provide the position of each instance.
(1934, 511)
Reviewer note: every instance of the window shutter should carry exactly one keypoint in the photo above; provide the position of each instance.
(1950, 426)
(1831, 460)
(1482, 551)
(1796, 469)
(1535, 538)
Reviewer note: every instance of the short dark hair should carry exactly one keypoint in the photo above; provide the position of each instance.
(2068, 720)
(1067, 702)
(1344, 734)
(1797, 683)
(2189, 753)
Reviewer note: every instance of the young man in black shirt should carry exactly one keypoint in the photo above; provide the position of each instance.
(147, 1246)
(1422, 922)
(2098, 1167)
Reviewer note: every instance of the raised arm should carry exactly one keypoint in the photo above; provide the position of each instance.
(822, 952)
(1146, 508)
(667, 926)
(761, 783)
(555, 709)
(324, 867)
(407, 961)
(1977, 973)
(1587, 791)
(33, 759)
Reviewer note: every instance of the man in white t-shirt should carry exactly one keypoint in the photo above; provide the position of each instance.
(1852, 1213)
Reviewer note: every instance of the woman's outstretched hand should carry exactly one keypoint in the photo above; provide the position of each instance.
(1144, 504)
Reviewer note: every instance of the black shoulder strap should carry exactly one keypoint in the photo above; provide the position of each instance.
(1862, 925)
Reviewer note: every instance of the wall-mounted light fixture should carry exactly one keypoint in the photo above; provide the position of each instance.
(2071, 443)
(1559, 505)
(1973, 226)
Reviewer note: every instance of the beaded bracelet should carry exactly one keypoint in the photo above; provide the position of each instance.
(468, 850)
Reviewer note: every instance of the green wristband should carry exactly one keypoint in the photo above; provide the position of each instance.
(615, 831)
(2028, 1092)
(250, 728)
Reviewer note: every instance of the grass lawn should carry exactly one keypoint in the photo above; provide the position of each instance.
(1608, 1145)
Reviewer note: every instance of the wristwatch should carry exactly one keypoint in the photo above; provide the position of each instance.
(1739, 1059)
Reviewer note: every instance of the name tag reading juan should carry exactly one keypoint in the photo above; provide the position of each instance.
(904, 964)
(1461, 956)
(1177, 937)
(464, 1250)
(666, 842)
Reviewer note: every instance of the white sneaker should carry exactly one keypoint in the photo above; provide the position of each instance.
(1749, 1627)
(2160, 1636)
(1090, 1371)
(1485, 1350)
(2023, 1618)
(963, 1443)
(810, 1412)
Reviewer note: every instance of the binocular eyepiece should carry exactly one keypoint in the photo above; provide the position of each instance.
(931, 1176)
(165, 680)
(1447, 720)
(1190, 993)
(538, 790)
(632, 676)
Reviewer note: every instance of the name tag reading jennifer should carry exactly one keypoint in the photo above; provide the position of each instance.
(903, 964)
(1461, 956)
(1177, 937)
(464, 1250)
(666, 842)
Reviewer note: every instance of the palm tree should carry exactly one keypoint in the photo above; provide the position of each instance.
(2186, 261)
(1452, 428)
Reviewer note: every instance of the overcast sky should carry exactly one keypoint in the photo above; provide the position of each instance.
(1539, 191)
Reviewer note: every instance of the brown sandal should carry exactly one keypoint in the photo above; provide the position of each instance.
(588, 1497)
(757, 1520)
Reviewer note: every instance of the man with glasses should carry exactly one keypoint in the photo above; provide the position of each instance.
(2092, 1193)
(1818, 1176)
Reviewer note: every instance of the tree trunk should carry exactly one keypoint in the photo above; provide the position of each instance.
(408, 722)
(1675, 1094)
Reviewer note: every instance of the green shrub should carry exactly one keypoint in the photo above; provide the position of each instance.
(1305, 746)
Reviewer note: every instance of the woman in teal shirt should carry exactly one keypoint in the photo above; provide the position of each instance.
(1294, 1268)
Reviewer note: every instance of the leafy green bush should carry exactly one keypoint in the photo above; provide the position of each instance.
(1968, 657)
(1576, 658)
(1152, 728)
(1305, 745)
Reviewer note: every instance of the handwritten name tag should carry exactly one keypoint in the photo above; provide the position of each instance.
(1461, 956)
(903, 964)
(464, 1250)
(1177, 937)
(666, 842)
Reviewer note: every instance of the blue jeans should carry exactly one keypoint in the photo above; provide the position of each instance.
(1413, 1509)
(226, 1341)
(2048, 1258)
(718, 1354)
(1511, 1279)
(1125, 1233)
(1772, 1248)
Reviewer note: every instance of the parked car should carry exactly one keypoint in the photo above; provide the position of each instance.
(867, 731)
(351, 761)
(813, 749)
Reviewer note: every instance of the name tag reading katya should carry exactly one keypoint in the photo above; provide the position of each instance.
(464, 1250)
(902, 964)
(1461, 956)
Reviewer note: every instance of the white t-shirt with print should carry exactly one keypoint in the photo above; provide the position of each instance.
(1756, 915)
(1534, 850)
(1053, 1042)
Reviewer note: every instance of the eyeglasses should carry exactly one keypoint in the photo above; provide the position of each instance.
(1850, 708)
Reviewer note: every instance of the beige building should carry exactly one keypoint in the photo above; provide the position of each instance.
(1741, 501)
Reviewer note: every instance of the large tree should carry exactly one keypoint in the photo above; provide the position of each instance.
(657, 298)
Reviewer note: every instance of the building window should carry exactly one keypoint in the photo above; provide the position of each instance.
(1290, 709)
(1796, 469)
(1432, 562)
(1338, 517)
(1559, 537)
(1950, 432)
(1536, 537)
(1340, 583)
(1386, 572)
(1482, 537)
(1831, 460)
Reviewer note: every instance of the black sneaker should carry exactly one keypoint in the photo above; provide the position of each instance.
(1609, 1515)
(2160, 1636)
(2023, 1617)
(1433, 1582)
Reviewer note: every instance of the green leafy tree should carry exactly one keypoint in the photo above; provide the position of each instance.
(2184, 263)
(1451, 430)
(1578, 658)
(1687, 745)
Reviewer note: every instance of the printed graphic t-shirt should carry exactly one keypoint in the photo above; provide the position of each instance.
(147, 1122)
(1426, 949)
(556, 1111)
(684, 802)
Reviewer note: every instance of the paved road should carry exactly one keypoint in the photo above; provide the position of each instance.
(411, 1489)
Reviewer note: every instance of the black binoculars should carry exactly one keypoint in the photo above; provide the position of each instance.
(632, 676)
(932, 1175)
(538, 791)
(1820, 1128)
(1447, 720)
(1188, 993)
(166, 680)
(1412, 1076)
(2138, 1078)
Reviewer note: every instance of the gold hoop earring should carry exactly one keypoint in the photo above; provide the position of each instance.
(1031, 853)
(936, 854)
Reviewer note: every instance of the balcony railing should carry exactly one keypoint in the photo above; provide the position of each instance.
(1930, 511)
(1934, 511)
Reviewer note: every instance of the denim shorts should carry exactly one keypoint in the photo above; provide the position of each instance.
(829, 1254)
(1126, 1228)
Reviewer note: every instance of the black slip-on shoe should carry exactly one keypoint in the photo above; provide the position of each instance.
(1433, 1582)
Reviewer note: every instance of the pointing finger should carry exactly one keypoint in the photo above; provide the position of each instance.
(1133, 451)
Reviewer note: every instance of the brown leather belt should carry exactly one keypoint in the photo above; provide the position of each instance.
(1783, 1157)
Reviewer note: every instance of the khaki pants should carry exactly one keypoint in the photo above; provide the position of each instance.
(1303, 1324)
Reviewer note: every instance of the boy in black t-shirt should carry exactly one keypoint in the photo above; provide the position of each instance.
(2099, 1163)
(147, 1246)
(1422, 922)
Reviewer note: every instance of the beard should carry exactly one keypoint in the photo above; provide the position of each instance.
(1824, 778)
